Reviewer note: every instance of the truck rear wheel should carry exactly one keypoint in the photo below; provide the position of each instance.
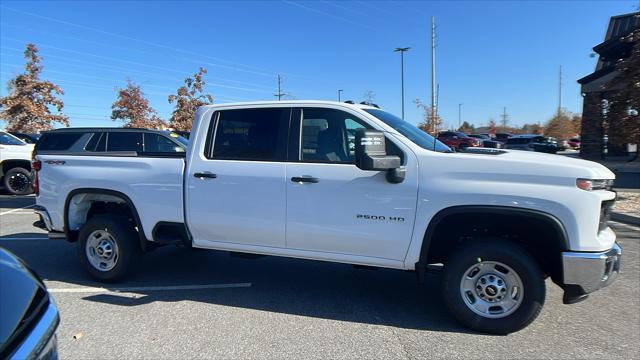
(108, 247)
(493, 286)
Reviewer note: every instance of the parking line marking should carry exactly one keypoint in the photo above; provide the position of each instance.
(14, 210)
(147, 288)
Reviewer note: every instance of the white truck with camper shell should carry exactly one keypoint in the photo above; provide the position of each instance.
(338, 182)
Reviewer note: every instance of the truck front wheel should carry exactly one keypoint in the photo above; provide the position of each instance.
(493, 286)
(108, 247)
(17, 181)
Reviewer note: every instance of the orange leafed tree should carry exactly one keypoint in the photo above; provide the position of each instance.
(133, 108)
(431, 123)
(188, 98)
(27, 107)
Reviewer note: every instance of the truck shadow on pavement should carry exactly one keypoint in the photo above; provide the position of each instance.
(15, 202)
(289, 286)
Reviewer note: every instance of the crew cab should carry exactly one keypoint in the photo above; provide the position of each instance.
(346, 183)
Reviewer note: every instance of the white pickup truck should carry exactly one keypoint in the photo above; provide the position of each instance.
(338, 182)
(15, 164)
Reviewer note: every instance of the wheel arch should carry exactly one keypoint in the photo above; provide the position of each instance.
(12, 163)
(434, 235)
(101, 195)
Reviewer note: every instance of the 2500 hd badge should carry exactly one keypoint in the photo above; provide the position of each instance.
(380, 217)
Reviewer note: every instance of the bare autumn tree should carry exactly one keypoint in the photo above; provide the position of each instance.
(561, 126)
(27, 107)
(431, 123)
(133, 108)
(492, 127)
(187, 99)
(624, 105)
(467, 128)
(532, 129)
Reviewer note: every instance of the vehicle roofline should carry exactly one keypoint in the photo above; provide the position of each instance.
(285, 103)
(106, 128)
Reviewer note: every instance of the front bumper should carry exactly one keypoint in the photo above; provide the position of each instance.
(584, 273)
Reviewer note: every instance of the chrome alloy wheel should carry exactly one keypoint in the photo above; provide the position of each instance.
(102, 250)
(491, 289)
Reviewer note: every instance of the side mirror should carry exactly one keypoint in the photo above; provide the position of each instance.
(371, 154)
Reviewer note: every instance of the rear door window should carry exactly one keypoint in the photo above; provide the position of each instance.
(124, 141)
(251, 134)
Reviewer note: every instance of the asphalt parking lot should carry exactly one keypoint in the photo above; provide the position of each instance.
(204, 304)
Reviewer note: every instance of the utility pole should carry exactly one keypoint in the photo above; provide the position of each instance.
(433, 71)
(459, 115)
(505, 118)
(339, 92)
(560, 91)
(279, 94)
(402, 51)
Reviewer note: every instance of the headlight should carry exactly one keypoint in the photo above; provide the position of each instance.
(592, 184)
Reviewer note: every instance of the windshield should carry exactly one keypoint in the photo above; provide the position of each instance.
(8, 139)
(409, 131)
(179, 138)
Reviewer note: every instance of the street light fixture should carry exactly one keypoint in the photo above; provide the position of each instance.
(402, 51)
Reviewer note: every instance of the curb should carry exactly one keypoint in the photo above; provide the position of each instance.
(625, 219)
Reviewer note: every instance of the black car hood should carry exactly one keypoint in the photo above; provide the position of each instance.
(22, 297)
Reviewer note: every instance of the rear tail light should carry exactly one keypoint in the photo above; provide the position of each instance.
(36, 165)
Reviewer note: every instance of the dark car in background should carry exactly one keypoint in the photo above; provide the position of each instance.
(28, 316)
(502, 137)
(531, 143)
(487, 141)
(458, 140)
(28, 138)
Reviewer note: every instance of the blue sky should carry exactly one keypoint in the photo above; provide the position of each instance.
(489, 54)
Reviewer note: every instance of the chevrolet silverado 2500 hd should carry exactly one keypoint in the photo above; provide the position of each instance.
(344, 183)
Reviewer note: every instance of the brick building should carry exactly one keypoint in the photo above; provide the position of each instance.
(598, 86)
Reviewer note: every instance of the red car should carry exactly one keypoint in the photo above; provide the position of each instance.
(458, 140)
(574, 143)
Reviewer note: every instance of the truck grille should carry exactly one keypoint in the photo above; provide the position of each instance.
(605, 211)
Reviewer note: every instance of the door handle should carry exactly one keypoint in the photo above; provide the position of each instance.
(206, 175)
(304, 179)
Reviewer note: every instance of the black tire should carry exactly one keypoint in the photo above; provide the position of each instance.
(18, 181)
(122, 232)
(507, 253)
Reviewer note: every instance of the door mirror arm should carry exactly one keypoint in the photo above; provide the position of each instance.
(397, 175)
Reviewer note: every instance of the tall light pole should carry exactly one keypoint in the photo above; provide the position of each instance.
(339, 92)
(402, 51)
(459, 115)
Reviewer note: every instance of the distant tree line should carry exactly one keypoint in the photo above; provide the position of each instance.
(31, 102)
